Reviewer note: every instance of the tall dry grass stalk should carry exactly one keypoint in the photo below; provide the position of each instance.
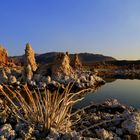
(52, 110)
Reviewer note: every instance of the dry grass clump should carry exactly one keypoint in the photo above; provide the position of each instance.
(52, 110)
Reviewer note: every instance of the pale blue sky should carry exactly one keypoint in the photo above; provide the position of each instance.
(109, 27)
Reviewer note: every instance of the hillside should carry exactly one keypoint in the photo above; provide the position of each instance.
(86, 58)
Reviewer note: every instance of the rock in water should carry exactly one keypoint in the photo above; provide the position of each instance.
(62, 65)
(30, 57)
(3, 55)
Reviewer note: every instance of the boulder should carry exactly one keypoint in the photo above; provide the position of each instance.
(17, 72)
(45, 79)
(3, 76)
(54, 135)
(104, 134)
(24, 131)
(132, 124)
(98, 79)
(41, 85)
(83, 78)
(113, 103)
(12, 79)
(119, 131)
(32, 83)
(7, 71)
(7, 132)
(48, 79)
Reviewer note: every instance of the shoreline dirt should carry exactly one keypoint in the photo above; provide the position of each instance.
(109, 120)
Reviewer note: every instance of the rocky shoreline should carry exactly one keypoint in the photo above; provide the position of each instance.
(106, 121)
(59, 74)
(109, 120)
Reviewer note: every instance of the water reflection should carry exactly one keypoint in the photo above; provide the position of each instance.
(126, 91)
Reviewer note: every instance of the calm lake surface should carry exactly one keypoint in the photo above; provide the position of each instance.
(126, 91)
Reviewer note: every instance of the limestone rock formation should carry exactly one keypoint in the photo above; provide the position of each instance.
(76, 63)
(62, 65)
(3, 55)
(4, 59)
(30, 57)
(27, 73)
(30, 65)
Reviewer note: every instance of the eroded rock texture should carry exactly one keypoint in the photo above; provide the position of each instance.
(75, 62)
(30, 57)
(30, 65)
(3, 56)
(62, 65)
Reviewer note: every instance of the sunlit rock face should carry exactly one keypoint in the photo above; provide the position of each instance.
(75, 62)
(28, 74)
(30, 57)
(62, 65)
(3, 55)
(30, 65)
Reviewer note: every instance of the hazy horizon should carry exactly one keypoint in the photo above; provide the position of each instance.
(111, 28)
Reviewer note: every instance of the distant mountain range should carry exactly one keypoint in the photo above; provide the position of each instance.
(49, 57)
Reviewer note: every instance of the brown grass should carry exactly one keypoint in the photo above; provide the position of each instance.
(52, 110)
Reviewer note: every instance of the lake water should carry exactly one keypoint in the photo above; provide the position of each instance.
(126, 91)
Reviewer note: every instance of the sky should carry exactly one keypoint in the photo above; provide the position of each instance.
(108, 27)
